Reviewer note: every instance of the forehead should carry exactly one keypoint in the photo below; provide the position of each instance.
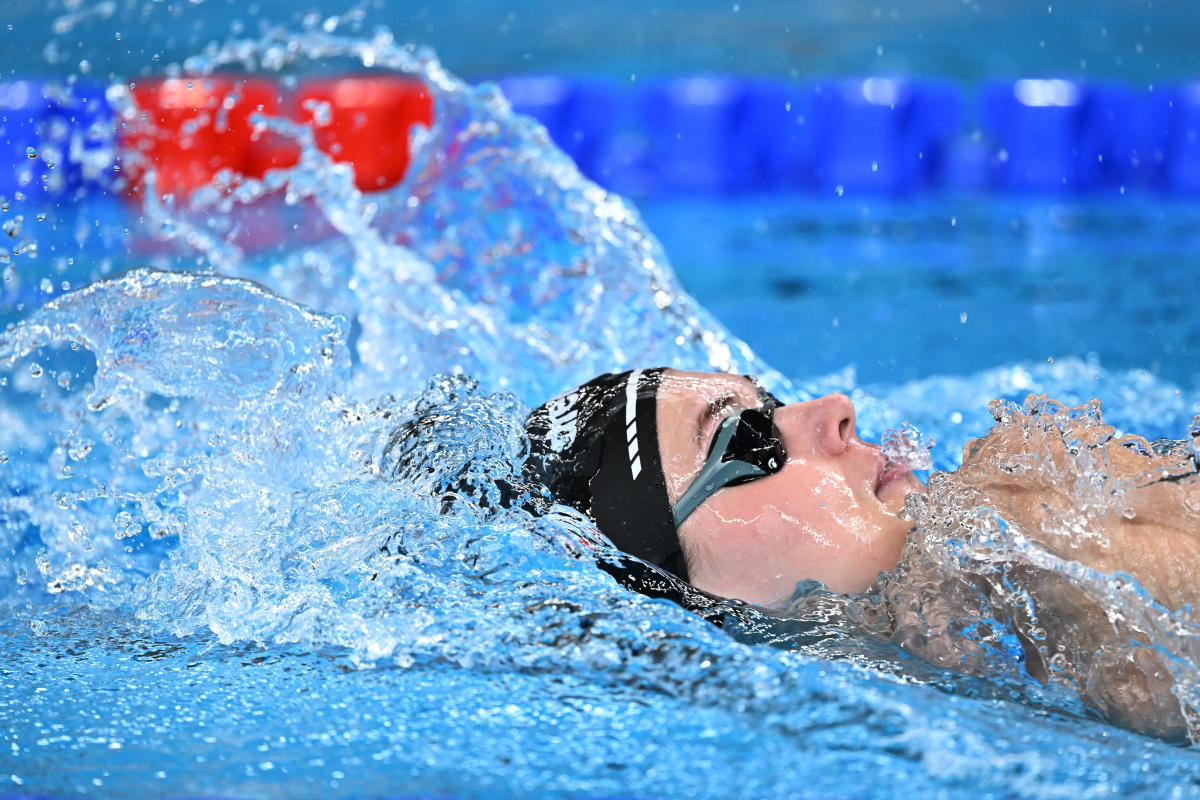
(690, 388)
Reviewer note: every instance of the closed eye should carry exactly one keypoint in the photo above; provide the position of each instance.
(719, 409)
(709, 419)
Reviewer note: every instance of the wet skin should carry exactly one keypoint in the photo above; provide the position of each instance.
(829, 515)
(1111, 504)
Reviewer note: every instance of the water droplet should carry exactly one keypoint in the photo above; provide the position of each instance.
(841, 190)
(38, 626)
(3, 457)
(80, 449)
(31, 152)
(1128, 513)
(127, 526)
(962, 317)
(874, 166)
(35, 370)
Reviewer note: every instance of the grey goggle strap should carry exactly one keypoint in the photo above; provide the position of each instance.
(715, 473)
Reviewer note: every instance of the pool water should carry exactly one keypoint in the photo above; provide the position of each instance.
(216, 590)
(908, 288)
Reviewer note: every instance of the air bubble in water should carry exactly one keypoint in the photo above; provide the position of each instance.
(35, 370)
(31, 152)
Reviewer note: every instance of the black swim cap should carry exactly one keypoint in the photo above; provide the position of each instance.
(596, 449)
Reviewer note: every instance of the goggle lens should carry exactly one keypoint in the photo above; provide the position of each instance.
(750, 447)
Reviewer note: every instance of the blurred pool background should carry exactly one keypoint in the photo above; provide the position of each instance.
(899, 283)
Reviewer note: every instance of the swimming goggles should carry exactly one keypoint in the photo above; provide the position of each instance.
(747, 447)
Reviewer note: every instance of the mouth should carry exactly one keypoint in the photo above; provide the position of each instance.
(888, 472)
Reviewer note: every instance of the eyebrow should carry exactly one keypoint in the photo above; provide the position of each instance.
(712, 409)
(708, 412)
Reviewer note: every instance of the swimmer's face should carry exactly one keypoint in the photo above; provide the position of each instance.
(829, 515)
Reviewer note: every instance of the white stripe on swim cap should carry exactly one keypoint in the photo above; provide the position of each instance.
(635, 461)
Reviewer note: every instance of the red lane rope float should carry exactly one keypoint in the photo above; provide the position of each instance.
(189, 129)
(369, 121)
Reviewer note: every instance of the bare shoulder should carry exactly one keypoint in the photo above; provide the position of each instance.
(1114, 503)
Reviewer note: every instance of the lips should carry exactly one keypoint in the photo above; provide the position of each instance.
(888, 472)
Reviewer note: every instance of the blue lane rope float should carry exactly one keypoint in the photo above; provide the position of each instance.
(723, 134)
(56, 140)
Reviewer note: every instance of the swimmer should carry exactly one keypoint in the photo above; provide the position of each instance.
(710, 478)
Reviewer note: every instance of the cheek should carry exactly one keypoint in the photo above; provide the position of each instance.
(756, 541)
(818, 502)
(803, 507)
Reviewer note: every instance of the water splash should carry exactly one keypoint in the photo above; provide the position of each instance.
(492, 238)
(1030, 553)
(906, 445)
(224, 464)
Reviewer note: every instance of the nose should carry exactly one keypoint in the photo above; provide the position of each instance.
(825, 425)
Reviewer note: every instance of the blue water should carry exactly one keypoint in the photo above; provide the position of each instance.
(944, 284)
(197, 602)
(1143, 41)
